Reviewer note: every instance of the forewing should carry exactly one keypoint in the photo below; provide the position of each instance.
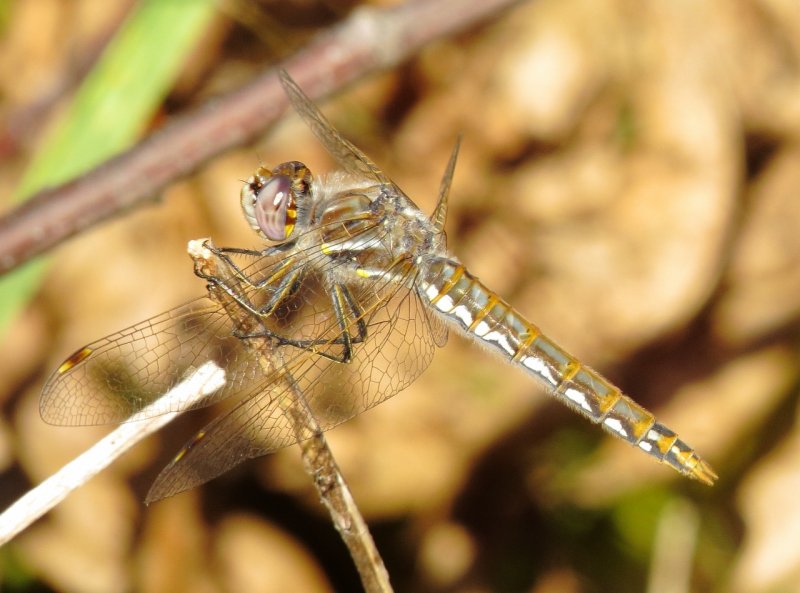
(397, 347)
(345, 153)
(112, 378)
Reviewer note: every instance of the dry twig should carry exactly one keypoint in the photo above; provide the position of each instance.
(369, 40)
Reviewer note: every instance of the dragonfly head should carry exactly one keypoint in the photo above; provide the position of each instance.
(270, 199)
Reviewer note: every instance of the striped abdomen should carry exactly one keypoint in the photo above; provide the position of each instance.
(459, 296)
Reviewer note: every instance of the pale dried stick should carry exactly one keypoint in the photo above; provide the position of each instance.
(36, 502)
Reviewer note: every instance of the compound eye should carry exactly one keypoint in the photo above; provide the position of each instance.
(275, 209)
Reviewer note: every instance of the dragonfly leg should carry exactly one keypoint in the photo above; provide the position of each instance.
(346, 310)
(287, 274)
(340, 299)
(224, 253)
(262, 314)
(355, 311)
(277, 294)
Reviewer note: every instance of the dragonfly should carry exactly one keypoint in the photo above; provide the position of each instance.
(347, 302)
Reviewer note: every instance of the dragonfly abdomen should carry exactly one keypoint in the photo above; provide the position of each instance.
(478, 312)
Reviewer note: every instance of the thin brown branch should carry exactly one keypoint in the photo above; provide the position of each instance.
(369, 40)
(318, 459)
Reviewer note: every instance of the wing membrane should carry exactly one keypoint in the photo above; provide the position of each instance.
(398, 346)
(108, 380)
(123, 373)
(341, 149)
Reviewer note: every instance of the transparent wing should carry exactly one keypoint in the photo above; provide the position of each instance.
(345, 153)
(110, 379)
(390, 340)
(105, 382)
(397, 346)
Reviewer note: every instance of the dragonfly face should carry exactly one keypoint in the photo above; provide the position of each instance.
(270, 199)
(342, 312)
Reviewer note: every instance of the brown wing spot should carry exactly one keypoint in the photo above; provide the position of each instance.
(188, 446)
(74, 360)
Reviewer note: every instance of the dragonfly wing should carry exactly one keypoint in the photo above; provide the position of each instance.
(436, 326)
(392, 343)
(110, 379)
(227, 441)
(397, 347)
(107, 381)
(345, 153)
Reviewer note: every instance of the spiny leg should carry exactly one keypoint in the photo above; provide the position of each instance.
(289, 275)
(223, 253)
(341, 299)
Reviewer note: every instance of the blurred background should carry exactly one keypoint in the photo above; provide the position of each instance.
(629, 180)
